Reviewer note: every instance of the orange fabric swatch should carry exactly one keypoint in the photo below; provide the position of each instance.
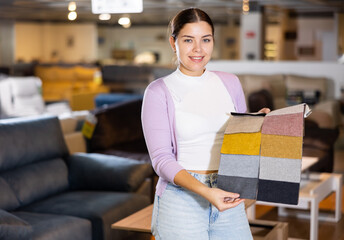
(281, 146)
(241, 143)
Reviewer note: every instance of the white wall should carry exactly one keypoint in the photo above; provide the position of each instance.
(40, 40)
(141, 39)
(70, 42)
(138, 39)
(320, 33)
(330, 70)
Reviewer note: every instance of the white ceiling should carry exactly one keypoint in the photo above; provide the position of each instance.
(156, 12)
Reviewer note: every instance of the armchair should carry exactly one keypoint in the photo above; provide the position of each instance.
(21, 96)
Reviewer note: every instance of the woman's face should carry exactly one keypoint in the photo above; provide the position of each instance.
(194, 46)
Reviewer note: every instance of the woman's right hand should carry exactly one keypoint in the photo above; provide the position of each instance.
(223, 200)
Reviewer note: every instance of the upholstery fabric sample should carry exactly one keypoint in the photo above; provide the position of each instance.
(286, 124)
(278, 192)
(281, 146)
(244, 124)
(261, 155)
(246, 187)
(239, 165)
(280, 169)
(241, 143)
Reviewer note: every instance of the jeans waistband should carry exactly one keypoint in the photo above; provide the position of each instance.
(208, 179)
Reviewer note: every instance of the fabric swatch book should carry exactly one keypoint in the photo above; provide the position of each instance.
(261, 154)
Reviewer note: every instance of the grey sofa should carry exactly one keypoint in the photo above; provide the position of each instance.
(46, 193)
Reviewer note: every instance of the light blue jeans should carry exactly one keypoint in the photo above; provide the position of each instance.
(180, 214)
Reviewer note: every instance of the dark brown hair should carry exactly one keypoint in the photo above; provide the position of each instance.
(190, 15)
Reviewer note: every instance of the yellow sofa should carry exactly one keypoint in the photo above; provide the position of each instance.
(76, 84)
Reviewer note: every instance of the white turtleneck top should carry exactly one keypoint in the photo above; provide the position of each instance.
(202, 107)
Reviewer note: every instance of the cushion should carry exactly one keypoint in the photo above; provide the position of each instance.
(38, 180)
(27, 140)
(14, 228)
(103, 172)
(29, 105)
(117, 123)
(25, 86)
(101, 208)
(56, 227)
(8, 199)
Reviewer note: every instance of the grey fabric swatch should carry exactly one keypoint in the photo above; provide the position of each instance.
(280, 169)
(246, 187)
(239, 165)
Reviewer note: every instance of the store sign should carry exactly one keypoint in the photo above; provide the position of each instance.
(116, 6)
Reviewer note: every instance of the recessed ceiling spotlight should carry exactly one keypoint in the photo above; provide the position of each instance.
(124, 21)
(72, 16)
(104, 16)
(72, 6)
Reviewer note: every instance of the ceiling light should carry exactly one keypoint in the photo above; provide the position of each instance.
(117, 6)
(104, 16)
(245, 7)
(124, 21)
(72, 16)
(72, 6)
(127, 25)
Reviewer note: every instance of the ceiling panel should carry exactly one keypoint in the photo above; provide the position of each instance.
(155, 11)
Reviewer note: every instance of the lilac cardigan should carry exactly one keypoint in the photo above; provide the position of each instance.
(158, 123)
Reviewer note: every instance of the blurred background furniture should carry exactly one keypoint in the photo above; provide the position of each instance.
(78, 84)
(48, 193)
(119, 131)
(112, 98)
(321, 131)
(132, 78)
(21, 96)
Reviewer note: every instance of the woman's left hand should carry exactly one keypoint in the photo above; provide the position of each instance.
(265, 110)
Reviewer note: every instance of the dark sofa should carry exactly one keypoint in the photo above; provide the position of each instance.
(46, 193)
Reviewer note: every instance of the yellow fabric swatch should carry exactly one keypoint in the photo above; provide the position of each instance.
(281, 146)
(241, 143)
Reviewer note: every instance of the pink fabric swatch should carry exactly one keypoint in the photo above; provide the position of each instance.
(286, 125)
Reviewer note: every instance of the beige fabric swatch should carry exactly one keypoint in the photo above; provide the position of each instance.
(300, 108)
(244, 124)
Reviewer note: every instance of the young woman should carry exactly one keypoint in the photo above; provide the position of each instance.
(184, 116)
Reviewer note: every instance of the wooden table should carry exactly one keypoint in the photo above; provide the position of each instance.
(141, 220)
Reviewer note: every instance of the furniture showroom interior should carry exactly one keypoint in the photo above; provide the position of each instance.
(74, 164)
